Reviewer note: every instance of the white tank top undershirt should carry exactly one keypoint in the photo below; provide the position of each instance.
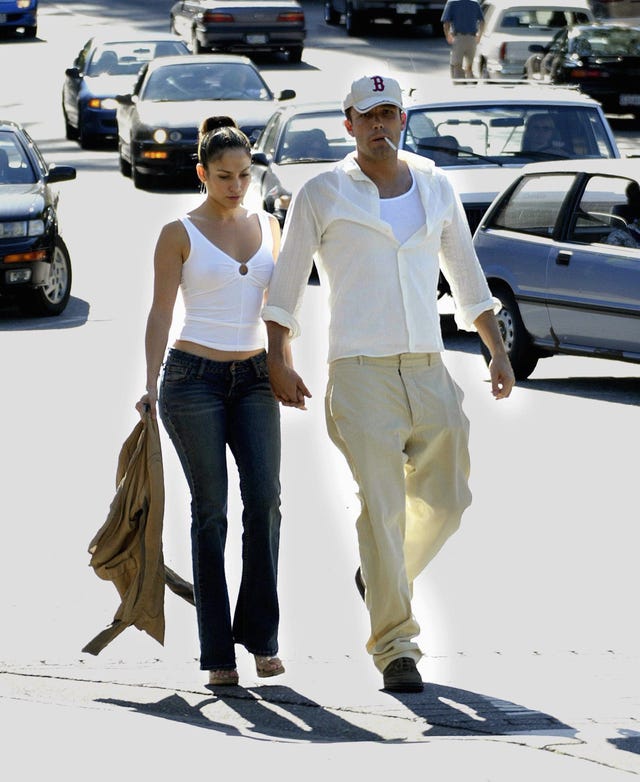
(404, 213)
(223, 305)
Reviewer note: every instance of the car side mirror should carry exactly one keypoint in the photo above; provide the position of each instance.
(261, 158)
(125, 100)
(60, 173)
(537, 48)
(73, 73)
(287, 95)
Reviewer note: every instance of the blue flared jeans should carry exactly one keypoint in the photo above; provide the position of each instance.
(206, 406)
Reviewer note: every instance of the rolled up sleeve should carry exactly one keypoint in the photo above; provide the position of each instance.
(289, 281)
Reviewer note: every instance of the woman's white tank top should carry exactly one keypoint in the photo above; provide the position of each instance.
(223, 304)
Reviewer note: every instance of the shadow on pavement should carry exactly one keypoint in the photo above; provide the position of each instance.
(623, 390)
(451, 711)
(75, 314)
(278, 712)
(629, 741)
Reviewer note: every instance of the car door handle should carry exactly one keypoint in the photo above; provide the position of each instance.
(563, 258)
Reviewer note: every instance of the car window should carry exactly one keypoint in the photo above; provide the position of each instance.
(608, 206)
(523, 20)
(15, 167)
(267, 141)
(534, 205)
(473, 135)
(314, 137)
(126, 59)
(600, 42)
(207, 81)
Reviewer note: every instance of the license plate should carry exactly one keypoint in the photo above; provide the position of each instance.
(256, 38)
(406, 8)
(630, 100)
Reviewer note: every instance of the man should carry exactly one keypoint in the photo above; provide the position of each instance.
(376, 225)
(463, 23)
(540, 136)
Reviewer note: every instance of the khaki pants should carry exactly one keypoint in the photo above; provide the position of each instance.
(463, 51)
(399, 423)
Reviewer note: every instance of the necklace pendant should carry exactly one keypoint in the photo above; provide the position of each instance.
(243, 269)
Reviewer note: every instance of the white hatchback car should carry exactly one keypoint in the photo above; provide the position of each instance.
(511, 26)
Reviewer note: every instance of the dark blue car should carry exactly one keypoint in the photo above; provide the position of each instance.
(104, 68)
(35, 269)
(19, 14)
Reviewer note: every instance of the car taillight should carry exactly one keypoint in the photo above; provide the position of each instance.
(216, 17)
(291, 16)
(587, 73)
(502, 54)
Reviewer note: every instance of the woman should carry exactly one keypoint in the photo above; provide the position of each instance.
(215, 392)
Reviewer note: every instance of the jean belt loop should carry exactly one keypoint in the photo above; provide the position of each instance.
(201, 368)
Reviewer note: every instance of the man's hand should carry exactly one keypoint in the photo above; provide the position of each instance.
(288, 387)
(502, 378)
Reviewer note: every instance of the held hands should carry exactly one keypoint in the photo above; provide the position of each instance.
(288, 387)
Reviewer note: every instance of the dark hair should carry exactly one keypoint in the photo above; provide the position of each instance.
(218, 134)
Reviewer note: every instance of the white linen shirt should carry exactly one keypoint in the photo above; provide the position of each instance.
(382, 293)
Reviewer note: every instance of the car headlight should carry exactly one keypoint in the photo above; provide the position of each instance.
(160, 136)
(103, 103)
(21, 228)
(24, 3)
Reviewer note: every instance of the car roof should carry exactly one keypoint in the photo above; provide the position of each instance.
(131, 36)
(559, 4)
(7, 124)
(502, 93)
(203, 59)
(628, 167)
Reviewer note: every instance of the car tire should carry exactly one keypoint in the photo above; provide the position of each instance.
(71, 133)
(522, 354)
(196, 46)
(353, 22)
(86, 140)
(331, 16)
(125, 166)
(140, 181)
(52, 298)
(295, 54)
(31, 32)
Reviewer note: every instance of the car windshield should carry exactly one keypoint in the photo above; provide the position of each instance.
(314, 138)
(513, 134)
(15, 168)
(615, 42)
(205, 81)
(126, 59)
(524, 20)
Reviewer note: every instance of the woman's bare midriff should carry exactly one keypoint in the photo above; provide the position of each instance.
(212, 353)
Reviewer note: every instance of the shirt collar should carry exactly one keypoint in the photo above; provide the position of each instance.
(350, 165)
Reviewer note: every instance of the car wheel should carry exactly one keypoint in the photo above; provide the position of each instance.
(353, 21)
(522, 354)
(86, 140)
(70, 132)
(125, 166)
(331, 16)
(30, 32)
(295, 54)
(140, 181)
(196, 46)
(52, 298)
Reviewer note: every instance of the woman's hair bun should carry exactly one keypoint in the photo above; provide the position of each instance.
(213, 123)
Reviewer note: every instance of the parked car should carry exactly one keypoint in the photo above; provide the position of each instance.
(482, 134)
(512, 26)
(158, 123)
(549, 249)
(35, 268)
(603, 60)
(298, 142)
(19, 15)
(357, 14)
(105, 67)
(244, 26)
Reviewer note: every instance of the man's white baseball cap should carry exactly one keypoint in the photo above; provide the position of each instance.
(370, 91)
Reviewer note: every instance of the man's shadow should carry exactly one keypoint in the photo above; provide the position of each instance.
(278, 712)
